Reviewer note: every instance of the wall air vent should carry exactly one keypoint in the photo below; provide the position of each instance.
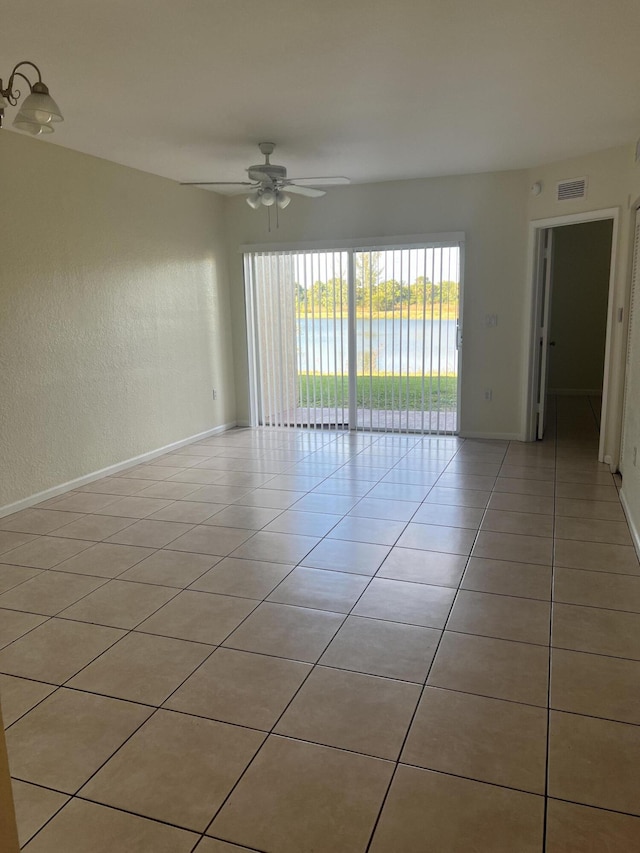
(571, 190)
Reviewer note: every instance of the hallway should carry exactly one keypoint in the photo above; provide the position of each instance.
(299, 640)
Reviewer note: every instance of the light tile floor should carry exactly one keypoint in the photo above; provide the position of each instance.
(290, 641)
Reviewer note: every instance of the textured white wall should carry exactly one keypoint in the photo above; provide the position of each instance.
(115, 318)
(614, 181)
(490, 209)
(631, 472)
(114, 315)
(609, 176)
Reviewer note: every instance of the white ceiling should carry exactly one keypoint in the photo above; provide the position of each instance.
(369, 89)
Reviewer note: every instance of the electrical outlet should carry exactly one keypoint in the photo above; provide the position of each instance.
(488, 394)
(490, 320)
(215, 394)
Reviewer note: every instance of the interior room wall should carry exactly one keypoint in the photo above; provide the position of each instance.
(581, 264)
(118, 318)
(613, 182)
(114, 315)
(630, 469)
(608, 174)
(490, 208)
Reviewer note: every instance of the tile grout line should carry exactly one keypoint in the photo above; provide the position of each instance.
(93, 660)
(57, 689)
(553, 563)
(311, 670)
(271, 731)
(314, 665)
(422, 692)
(317, 664)
(155, 708)
(203, 835)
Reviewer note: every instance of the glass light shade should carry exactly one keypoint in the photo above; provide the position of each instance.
(283, 200)
(28, 125)
(268, 198)
(41, 108)
(254, 200)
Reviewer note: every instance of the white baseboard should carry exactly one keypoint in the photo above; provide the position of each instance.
(635, 533)
(495, 436)
(54, 491)
(575, 392)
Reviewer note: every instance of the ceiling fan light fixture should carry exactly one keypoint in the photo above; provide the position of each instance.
(268, 185)
(268, 197)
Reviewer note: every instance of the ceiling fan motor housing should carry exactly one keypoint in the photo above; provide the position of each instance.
(267, 171)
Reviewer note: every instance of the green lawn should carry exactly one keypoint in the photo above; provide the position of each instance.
(379, 392)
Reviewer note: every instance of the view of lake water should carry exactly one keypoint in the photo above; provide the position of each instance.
(397, 347)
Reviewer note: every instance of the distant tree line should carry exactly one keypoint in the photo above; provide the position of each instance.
(373, 295)
(328, 297)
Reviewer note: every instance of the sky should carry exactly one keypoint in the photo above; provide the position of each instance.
(403, 265)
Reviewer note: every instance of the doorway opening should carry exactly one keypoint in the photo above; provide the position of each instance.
(574, 261)
(359, 338)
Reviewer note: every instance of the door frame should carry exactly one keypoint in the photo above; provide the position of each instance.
(411, 241)
(546, 262)
(535, 268)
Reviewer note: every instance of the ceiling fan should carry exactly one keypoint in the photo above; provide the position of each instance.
(269, 184)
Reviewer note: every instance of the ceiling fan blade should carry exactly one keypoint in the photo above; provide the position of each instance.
(217, 184)
(308, 191)
(321, 182)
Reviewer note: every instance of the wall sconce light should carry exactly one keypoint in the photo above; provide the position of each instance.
(39, 111)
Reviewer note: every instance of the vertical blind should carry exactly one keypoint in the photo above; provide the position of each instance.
(355, 339)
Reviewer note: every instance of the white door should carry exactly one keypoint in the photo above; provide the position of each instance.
(543, 328)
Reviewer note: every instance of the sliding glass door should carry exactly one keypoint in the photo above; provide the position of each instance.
(406, 328)
(356, 338)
